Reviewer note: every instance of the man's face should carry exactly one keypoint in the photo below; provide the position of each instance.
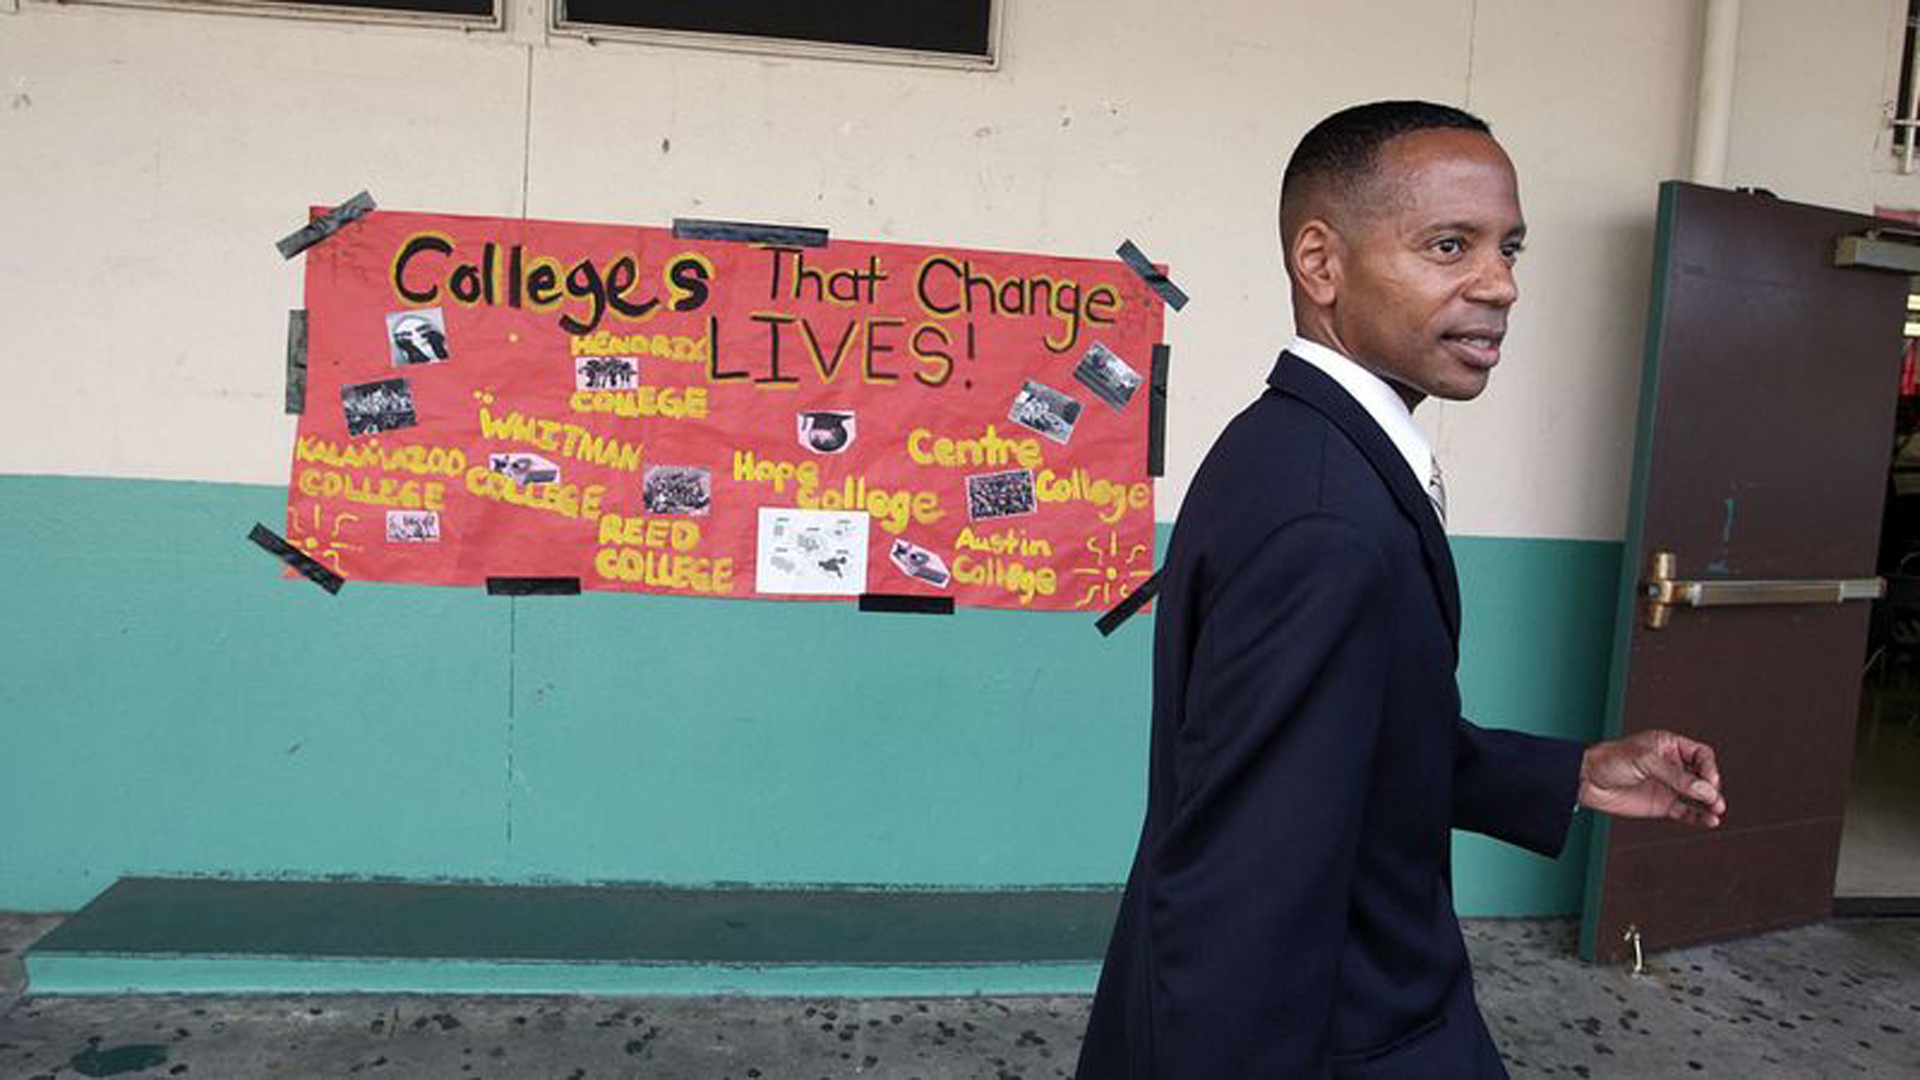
(1426, 271)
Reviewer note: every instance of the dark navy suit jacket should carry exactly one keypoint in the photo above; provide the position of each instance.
(1290, 909)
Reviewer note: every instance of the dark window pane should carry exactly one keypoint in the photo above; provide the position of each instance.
(1906, 62)
(944, 26)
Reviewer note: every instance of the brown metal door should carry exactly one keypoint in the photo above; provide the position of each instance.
(1766, 423)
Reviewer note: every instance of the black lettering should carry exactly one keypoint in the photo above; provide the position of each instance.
(807, 275)
(583, 283)
(543, 284)
(828, 369)
(465, 284)
(1101, 296)
(714, 374)
(413, 247)
(620, 278)
(974, 281)
(872, 278)
(1014, 297)
(1065, 305)
(773, 286)
(935, 357)
(774, 321)
(689, 275)
(874, 348)
(920, 284)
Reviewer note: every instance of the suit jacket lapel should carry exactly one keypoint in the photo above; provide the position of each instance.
(1294, 376)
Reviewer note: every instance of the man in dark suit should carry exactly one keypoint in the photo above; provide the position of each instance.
(1289, 912)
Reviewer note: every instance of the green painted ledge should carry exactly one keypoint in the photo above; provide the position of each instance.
(178, 709)
(96, 975)
(195, 936)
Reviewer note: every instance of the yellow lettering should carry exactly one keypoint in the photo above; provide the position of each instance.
(989, 449)
(1010, 575)
(672, 402)
(677, 347)
(566, 500)
(568, 440)
(749, 468)
(1113, 499)
(665, 570)
(891, 510)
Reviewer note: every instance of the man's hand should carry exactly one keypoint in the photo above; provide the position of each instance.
(1653, 774)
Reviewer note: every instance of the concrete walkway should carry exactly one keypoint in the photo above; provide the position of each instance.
(1837, 1000)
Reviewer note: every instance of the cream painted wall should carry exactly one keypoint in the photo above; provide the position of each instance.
(1815, 86)
(1594, 103)
(151, 158)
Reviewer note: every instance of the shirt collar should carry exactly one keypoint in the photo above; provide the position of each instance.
(1378, 397)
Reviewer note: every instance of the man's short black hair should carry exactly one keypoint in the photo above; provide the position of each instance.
(1345, 147)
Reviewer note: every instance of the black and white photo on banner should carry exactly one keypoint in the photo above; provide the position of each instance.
(374, 407)
(917, 562)
(1043, 409)
(1000, 494)
(677, 489)
(1111, 379)
(826, 432)
(417, 337)
(413, 527)
(524, 468)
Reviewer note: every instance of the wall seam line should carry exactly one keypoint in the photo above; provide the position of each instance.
(526, 138)
(1473, 27)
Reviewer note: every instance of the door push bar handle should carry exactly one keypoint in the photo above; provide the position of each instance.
(1663, 593)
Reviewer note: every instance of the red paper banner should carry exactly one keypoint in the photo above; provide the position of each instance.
(503, 398)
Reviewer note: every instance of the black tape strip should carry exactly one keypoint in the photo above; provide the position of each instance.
(297, 361)
(746, 232)
(1157, 412)
(533, 586)
(1157, 281)
(325, 225)
(1125, 609)
(309, 567)
(916, 605)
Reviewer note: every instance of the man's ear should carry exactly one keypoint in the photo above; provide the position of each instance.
(1316, 256)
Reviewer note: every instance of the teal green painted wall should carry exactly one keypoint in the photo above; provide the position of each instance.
(1536, 635)
(172, 706)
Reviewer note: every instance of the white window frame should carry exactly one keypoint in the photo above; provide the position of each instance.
(1905, 107)
(558, 25)
(310, 12)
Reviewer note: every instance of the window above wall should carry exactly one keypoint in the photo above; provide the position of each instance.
(956, 33)
(1906, 107)
(469, 14)
(936, 33)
